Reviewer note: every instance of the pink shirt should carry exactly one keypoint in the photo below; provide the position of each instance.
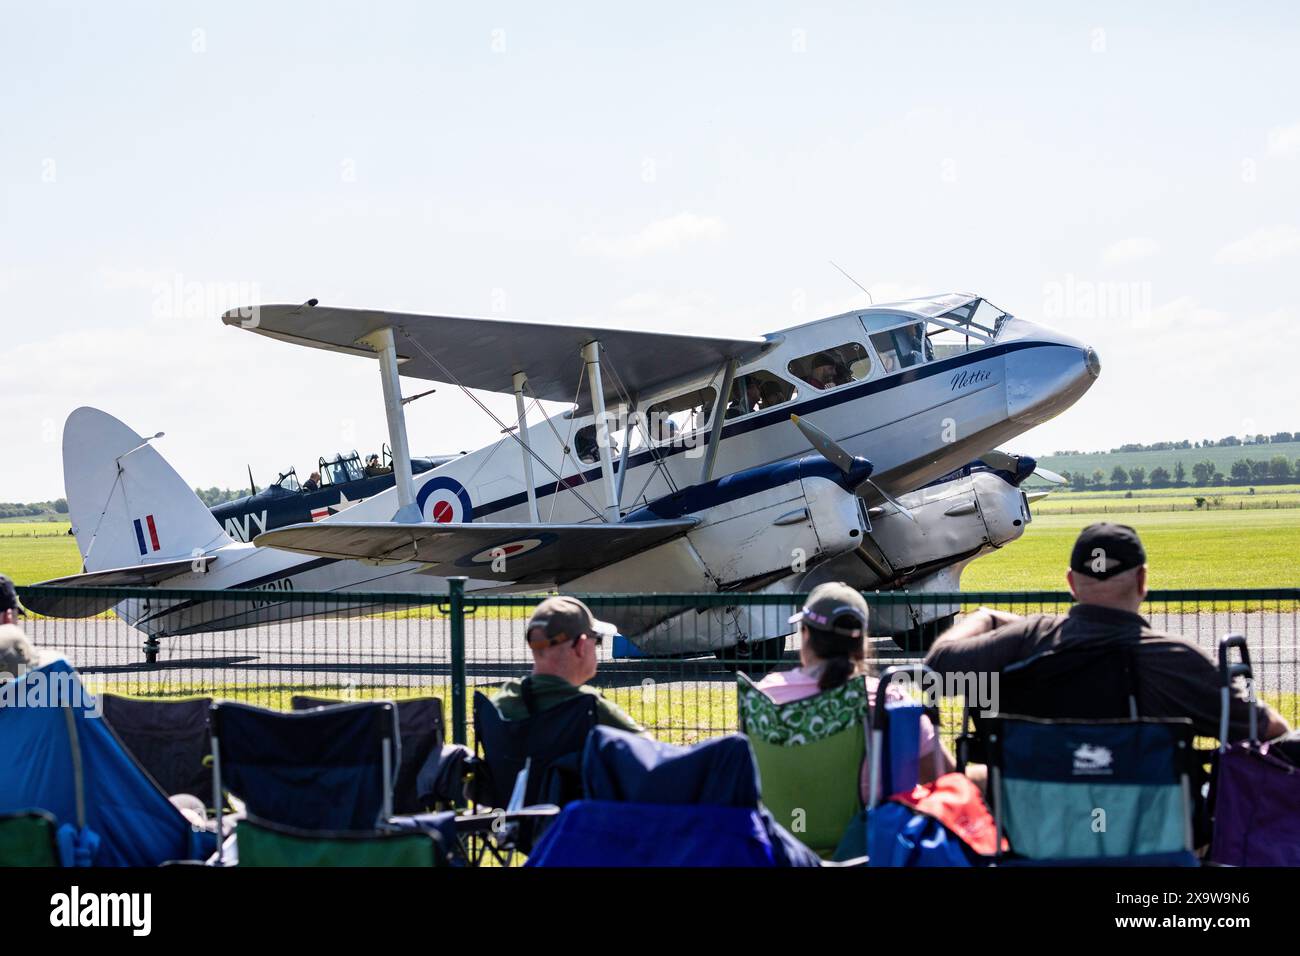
(785, 686)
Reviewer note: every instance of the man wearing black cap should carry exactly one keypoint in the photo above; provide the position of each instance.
(1108, 578)
(563, 636)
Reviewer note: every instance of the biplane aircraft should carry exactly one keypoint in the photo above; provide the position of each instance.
(857, 447)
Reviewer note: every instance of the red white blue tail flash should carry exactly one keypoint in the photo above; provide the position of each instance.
(147, 543)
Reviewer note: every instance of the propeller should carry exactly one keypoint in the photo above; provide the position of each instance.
(1001, 461)
(837, 455)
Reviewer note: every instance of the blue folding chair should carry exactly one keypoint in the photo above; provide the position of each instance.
(332, 768)
(1101, 792)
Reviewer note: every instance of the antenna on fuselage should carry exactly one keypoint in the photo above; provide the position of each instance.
(853, 280)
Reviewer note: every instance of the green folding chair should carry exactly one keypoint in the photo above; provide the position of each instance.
(265, 844)
(28, 839)
(809, 755)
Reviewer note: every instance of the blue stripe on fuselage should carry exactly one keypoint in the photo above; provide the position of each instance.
(750, 423)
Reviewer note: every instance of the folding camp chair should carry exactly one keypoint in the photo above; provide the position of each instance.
(28, 839)
(1101, 792)
(261, 843)
(65, 760)
(647, 803)
(168, 738)
(326, 769)
(526, 763)
(421, 731)
(809, 754)
(1254, 786)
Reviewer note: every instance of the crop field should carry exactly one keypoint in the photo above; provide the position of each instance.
(1223, 457)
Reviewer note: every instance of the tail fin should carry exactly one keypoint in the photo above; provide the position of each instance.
(127, 505)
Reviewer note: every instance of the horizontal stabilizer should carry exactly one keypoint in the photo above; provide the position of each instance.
(528, 553)
(49, 602)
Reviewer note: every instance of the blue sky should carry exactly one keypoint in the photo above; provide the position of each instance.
(637, 165)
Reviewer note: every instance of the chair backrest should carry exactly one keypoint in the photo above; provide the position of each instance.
(266, 844)
(168, 738)
(422, 732)
(540, 740)
(809, 754)
(1096, 790)
(326, 769)
(1083, 681)
(28, 839)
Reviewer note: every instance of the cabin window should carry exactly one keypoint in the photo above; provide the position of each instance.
(831, 368)
(586, 448)
(757, 390)
(902, 347)
(676, 417)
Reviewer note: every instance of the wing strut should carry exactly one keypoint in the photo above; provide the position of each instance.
(381, 341)
(520, 380)
(591, 354)
(719, 415)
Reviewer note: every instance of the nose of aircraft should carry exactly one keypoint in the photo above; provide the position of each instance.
(1047, 374)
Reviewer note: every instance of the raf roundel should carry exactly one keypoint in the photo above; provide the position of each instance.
(444, 501)
(507, 550)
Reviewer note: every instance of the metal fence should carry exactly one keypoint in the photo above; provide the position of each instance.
(455, 644)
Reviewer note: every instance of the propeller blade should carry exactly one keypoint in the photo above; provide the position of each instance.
(825, 445)
(833, 452)
(1049, 476)
(252, 486)
(1033, 496)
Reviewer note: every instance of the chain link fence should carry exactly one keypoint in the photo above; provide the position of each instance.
(677, 678)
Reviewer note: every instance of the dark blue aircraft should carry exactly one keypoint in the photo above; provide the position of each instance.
(335, 486)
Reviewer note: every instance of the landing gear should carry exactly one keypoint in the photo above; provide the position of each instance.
(151, 648)
(919, 638)
(754, 658)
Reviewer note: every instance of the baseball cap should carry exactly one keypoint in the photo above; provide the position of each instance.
(831, 601)
(1104, 550)
(565, 616)
(9, 596)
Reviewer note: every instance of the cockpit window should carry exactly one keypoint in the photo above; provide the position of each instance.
(831, 368)
(757, 390)
(288, 480)
(675, 418)
(902, 347)
(970, 326)
(345, 467)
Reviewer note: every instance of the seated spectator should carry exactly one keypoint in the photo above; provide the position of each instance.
(563, 636)
(832, 650)
(10, 609)
(1108, 578)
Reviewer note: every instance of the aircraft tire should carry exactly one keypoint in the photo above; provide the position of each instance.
(754, 658)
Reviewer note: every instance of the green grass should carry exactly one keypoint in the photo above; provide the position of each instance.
(1207, 549)
(36, 551)
(1225, 491)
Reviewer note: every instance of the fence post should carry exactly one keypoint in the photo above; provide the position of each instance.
(456, 588)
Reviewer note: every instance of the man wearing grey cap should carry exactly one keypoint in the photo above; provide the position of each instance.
(1108, 578)
(563, 635)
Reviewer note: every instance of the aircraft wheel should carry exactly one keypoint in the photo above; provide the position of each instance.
(919, 638)
(754, 658)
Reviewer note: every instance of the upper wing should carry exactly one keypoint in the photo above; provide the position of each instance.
(53, 604)
(519, 553)
(486, 353)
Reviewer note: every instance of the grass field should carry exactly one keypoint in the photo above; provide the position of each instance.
(1216, 548)
(1207, 549)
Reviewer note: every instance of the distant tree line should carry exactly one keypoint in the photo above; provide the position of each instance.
(215, 496)
(37, 509)
(1276, 470)
(1230, 441)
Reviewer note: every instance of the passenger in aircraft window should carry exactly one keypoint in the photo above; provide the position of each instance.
(586, 446)
(831, 368)
(751, 388)
(900, 348)
(775, 392)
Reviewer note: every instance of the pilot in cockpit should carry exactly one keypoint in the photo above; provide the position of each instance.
(312, 483)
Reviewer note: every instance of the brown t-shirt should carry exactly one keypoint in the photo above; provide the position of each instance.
(1174, 677)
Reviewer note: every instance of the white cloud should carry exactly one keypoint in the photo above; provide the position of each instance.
(1262, 245)
(1284, 141)
(662, 235)
(1130, 250)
